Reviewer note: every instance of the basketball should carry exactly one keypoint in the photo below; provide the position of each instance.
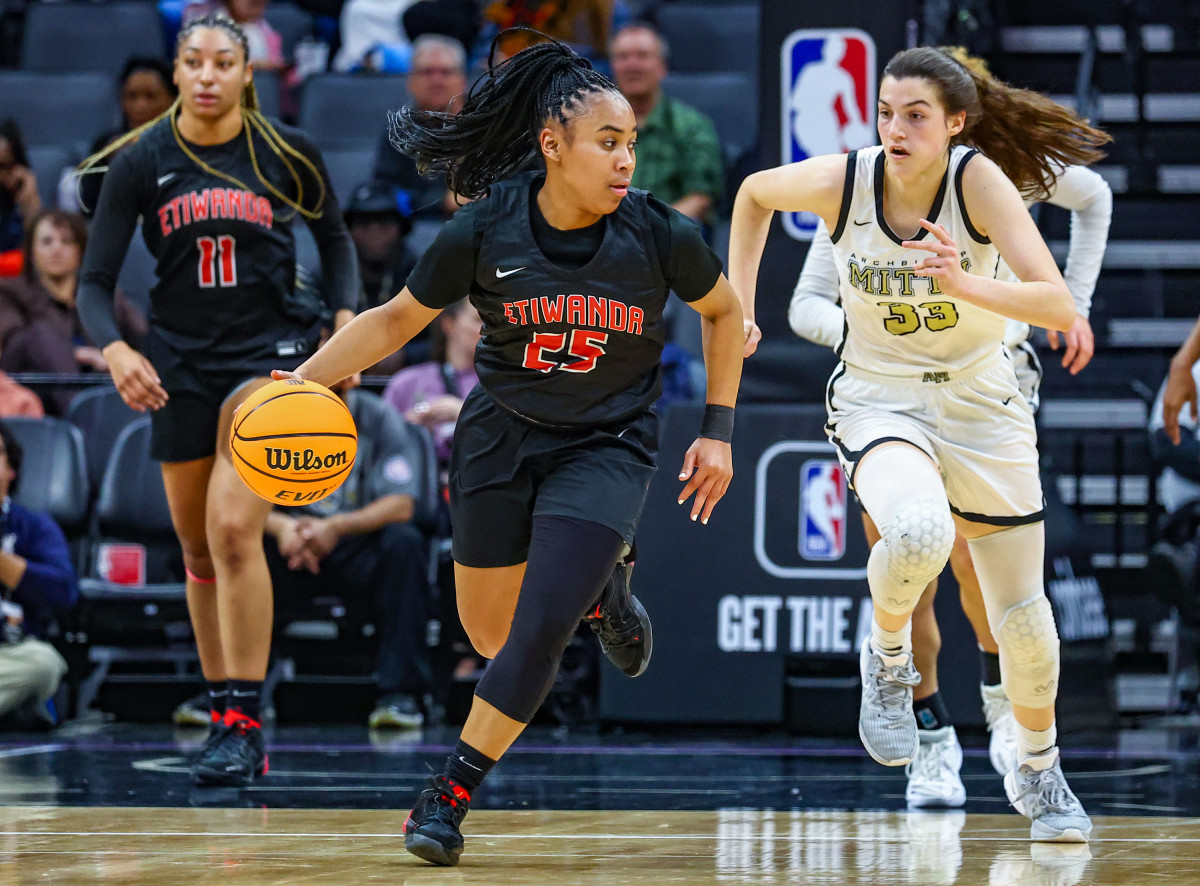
(293, 441)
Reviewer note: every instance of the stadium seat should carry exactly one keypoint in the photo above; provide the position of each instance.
(349, 110)
(101, 415)
(90, 36)
(711, 37)
(292, 23)
(48, 163)
(59, 109)
(138, 273)
(266, 85)
(53, 471)
(348, 168)
(730, 99)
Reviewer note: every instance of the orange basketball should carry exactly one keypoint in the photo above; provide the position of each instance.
(293, 441)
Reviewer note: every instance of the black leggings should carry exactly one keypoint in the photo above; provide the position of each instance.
(569, 562)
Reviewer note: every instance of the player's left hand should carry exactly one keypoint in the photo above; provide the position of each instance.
(319, 537)
(708, 468)
(944, 265)
(753, 337)
(1080, 341)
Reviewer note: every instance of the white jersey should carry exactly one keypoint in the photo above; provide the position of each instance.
(815, 314)
(897, 323)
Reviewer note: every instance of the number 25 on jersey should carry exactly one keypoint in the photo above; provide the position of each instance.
(218, 266)
(586, 347)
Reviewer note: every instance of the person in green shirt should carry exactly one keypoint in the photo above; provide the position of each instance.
(678, 154)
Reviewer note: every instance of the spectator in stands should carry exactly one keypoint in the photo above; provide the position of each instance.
(361, 542)
(436, 82)
(37, 583)
(432, 393)
(367, 24)
(40, 329)
(266, 45)
(585, 24)
(19, 199)
(147, 88)
(460, 19)
(679, 156)
(379, 218)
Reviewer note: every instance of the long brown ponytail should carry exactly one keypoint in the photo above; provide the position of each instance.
(1029, 136)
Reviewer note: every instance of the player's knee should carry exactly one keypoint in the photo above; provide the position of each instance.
(199, 563)
(919, 538)
(486, 639)
(1029, 655)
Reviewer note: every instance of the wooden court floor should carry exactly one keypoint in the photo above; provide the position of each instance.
(173, 846)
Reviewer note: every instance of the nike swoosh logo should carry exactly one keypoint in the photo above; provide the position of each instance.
(1005, 403)
(469, 763)
(500, 275)
(860, 224)
(163, 179)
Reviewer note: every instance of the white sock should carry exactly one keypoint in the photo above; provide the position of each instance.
(891, 642)
(1034, 743)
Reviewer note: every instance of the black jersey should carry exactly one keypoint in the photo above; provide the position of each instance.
(562, 345)
(225, 254)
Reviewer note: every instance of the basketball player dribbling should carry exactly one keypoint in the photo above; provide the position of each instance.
(569, 269)
(924, 409)
(218, 186)
(816, 314)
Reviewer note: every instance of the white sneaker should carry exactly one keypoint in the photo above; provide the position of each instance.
(1045, 864)
(933, 779)
(998, 712)
(935, 853)
(886, 723)
(1037, 789)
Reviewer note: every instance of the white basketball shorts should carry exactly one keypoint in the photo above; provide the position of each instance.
(976, 425)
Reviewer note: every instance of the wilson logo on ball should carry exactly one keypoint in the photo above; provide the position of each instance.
(295, 460)
(317, 425)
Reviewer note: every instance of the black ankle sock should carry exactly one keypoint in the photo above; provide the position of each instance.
(931, 712)
(218, 694)
(244, 698)
(989, 667)
(467, 766)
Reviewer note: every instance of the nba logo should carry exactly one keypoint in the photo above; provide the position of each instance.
(827, 101)
(822, 510)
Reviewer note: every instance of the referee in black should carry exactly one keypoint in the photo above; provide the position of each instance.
(570, 269)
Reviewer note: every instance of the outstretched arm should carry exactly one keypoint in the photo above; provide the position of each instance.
(814, 185)
(708, 463)
(366, 340)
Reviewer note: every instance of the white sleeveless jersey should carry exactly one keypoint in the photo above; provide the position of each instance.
(896, 322)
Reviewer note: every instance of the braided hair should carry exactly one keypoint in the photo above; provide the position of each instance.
(496, 132)
(254, 120)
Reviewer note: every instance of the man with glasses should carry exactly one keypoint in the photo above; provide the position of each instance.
(437, 80)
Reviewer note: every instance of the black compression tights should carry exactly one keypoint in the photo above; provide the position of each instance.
(569, 562)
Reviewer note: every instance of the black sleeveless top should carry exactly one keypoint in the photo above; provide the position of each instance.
(564, 345)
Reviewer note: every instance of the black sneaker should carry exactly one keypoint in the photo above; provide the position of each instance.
(620, 621)
(235, 756)
(431, 830)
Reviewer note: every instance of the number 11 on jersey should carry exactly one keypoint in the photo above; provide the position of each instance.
(217, 261)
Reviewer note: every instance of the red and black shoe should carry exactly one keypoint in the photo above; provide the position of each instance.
(431, 831)
(621, 623)
(235, 756)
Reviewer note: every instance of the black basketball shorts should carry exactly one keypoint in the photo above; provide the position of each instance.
(186, 428)
(504, 471)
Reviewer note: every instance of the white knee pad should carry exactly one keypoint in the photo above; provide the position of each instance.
(1029, 658)
(912, 551)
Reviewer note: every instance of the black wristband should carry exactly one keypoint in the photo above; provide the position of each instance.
(717, 423)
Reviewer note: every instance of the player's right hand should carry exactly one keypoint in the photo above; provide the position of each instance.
(753, 337)
(134, 377)
(1179, 391)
